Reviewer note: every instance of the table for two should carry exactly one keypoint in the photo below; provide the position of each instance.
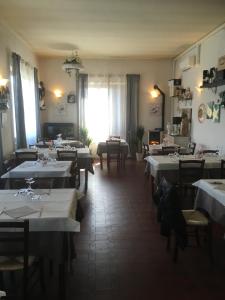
(168, 166)
(211, 197)
(102, 148)
(51, 223)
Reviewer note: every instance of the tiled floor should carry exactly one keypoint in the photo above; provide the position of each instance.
(121, 255)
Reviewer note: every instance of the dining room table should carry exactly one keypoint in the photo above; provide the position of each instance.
(102, 149)
(168, 165)
(211, 197)
(84, 158)
(52, 223)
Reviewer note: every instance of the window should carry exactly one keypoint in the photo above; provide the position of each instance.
(28, 92)
(27, 77)
(105, 107)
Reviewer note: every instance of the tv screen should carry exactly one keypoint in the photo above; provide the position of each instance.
(50, 130)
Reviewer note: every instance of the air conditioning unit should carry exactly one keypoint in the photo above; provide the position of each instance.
(187, 63)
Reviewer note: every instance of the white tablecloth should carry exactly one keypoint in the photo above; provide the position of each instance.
(37, 169)
(154, 149)
(165, 162)
(56, 209)
(211, 197)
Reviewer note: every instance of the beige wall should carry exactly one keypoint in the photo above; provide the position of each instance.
(151, 71)
(208, 134)
(9, 43)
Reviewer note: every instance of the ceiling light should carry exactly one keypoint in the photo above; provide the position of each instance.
(72, 63)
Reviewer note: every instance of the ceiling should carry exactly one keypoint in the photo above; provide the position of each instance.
(112, 28)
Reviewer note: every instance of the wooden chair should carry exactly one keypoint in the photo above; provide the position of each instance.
(71, 155)
(114, 137)
(189, 172)
(208, 151)
(222, 169)
(22, 156)
(183, 224)
(146, 150)
(169, 149)
(14, 252)
(190, 150)
(113, 151)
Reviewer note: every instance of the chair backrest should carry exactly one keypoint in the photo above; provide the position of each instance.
(222, 168)
(114, 137)
(190, 170)
(146, 149)
(14, 239)
(210, 151)
(192, 147)
(67, 155)
(112, 147)
(169, 149)
(22, 156)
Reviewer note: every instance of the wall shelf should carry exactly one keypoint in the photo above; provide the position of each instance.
(212, 85)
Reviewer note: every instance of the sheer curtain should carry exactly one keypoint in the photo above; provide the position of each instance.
(105, 107)
(28, 90)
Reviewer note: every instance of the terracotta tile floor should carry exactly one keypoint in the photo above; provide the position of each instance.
(121, 255)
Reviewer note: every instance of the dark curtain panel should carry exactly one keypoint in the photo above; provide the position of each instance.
(1, 150)
(18, 100)
(83, 93)
(133, 81)
(37, 99)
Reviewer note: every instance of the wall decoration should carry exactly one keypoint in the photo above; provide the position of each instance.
(201, 113)
(61, 108)
(155, 109)
(71, 98)
(209, 110)
(216, 112)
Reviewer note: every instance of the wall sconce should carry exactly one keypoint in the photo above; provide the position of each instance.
(58, 93)
(4, 94)
(156, 93)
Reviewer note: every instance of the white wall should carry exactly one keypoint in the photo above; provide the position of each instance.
(151, 71)
(9, 43)
(208, 134)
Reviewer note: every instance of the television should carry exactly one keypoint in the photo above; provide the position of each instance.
(50, 130)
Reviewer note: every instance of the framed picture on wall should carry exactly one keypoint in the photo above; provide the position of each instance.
(71, 98)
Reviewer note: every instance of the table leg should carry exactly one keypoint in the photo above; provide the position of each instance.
(86, 180)
(101, 161)
(62, 281)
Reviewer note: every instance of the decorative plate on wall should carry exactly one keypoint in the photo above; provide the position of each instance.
(202, 112)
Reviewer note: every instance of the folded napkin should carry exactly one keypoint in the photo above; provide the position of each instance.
(20, 212)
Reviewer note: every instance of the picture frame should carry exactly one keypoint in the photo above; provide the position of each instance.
(71, 98)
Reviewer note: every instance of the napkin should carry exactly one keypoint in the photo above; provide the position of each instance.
(20, 212)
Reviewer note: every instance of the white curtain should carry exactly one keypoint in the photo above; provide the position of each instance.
(28, 90)
(105, 107)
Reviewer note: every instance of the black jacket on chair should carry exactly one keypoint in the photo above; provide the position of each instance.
(169, 213)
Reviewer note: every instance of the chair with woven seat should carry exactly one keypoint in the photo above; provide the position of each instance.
(169, 149)
(190, 171)
(22, 156)
(183, 224)
(71, 155)
(14, 253)
(113, 151)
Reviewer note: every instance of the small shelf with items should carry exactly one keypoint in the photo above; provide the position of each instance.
(213, 78)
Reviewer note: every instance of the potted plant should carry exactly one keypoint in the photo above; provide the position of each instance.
(139, 136)
(84, 138)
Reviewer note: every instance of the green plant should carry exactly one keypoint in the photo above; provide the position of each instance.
(139, 135)
(84, 138)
